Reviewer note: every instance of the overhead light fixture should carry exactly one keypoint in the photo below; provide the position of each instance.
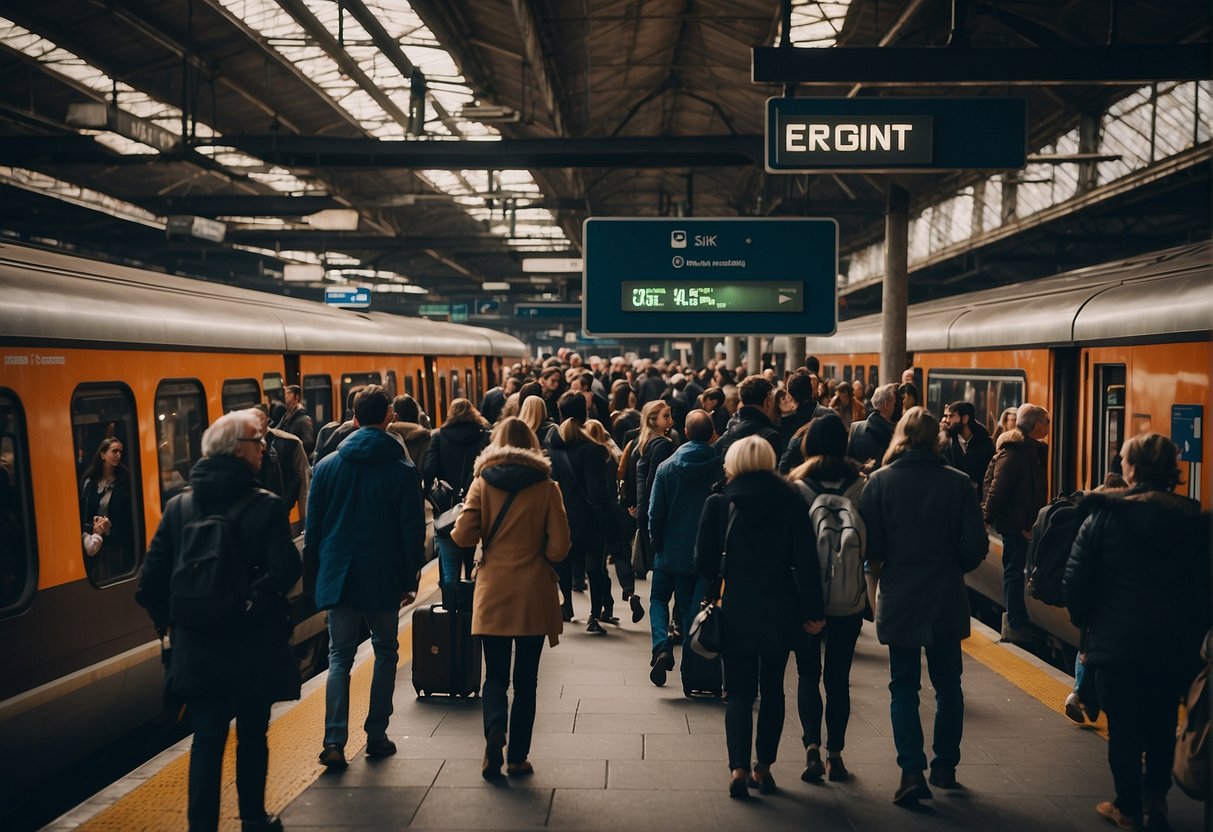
(551, 265)
(540, 281)
(488, 113)
(495, 286)
(303, 273)
(199, 227)
(334, 219)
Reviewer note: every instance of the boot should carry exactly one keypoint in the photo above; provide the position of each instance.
(913, 788)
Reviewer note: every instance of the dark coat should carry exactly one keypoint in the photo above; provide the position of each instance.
(681, 486)
(656, 452)
(870, 438)
(586, 490)
(804, 413)
(1016, 486)
(251, 656)
(720, 420)
(1137, 579)
(452, 453)
(772, 582)
(492, 404)
(649, 389)
(330, 438)
(925, 532)
(298, 422)
(750, 421)
(365, 524)
(117, 554)
(679, 408)
(976, 458)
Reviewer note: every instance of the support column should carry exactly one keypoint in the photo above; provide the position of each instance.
(707, 353)
(732, 351)
(753, 362)
(795, 353)
(896, 288)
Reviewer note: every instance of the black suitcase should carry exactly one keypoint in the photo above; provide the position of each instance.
(700, 676)
(446, 657)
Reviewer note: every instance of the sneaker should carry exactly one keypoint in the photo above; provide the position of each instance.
(662, 664)
(637, 608)
(333, 756)
(913, 788)
(1108, 811)
(836, 772)
(944, 777)
(813, 769)
(1074, 708)
(380, 747)
(595, 628)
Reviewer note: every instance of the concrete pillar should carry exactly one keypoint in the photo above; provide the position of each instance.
(732, 351)
(753, 363)
(795, 353)
(707, 352)
(896, 289)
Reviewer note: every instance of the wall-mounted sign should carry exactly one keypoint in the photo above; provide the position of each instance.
(1186, 426)
(894, 134)
(547, 310)
(348, 297)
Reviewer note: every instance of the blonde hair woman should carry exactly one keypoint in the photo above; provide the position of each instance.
(534, 413)
(655, 444)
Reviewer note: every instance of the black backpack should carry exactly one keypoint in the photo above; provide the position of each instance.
(1053, 536)
(210, 583)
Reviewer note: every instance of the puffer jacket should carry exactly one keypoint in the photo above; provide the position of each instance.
(1137, 579)
(1016, 485)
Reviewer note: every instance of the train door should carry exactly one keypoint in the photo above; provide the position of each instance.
(1108, 421)
(427, 385)
(1064, 440)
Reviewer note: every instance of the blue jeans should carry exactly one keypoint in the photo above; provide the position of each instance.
(905, 674)
(210, 718)
(345, 626)
(663, 586)
(1014, 558)
(451, 559)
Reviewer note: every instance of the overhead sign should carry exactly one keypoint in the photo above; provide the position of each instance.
(434, 310)
(488, 307)
(200, 227)
(894, 134)
(459, 313)
(1186, 426)
(551, 265)
(348, 297)
(688, 277)
(547, 310)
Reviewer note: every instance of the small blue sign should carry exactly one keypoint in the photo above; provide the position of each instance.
(348, 297)
(565, 311)
(488, 307)
(1186, 424)
(459, 313)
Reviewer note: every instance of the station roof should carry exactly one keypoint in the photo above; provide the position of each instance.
(287, 107)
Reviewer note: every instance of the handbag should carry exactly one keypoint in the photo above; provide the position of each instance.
(442, 493)
(488, 539)
(444, 523)
(707, 630)
(639, 567)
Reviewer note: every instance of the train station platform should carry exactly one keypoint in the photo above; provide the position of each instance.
(613, 752)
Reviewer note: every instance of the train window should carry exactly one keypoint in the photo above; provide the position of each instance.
(391, 384)
(874, 375)
(442, 397)
(351, 380)
(408, 386)
(1109, 428)
(989, 391)
(456, 386)
(846, 373)
(103, 416)
(239, 394)
(318, 398)
(420, 395)
(480, 388)
(180, 421)
(472, 393)
(831, 371)
(271, 383)
(18, 548)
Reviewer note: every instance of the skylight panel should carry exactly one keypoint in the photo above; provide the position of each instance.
(816, 23)
(33, 181)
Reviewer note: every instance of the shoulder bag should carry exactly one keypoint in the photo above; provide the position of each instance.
(444, 521)
(707, 630)
(488, 539)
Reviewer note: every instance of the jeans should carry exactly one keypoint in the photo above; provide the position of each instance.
(838, 638)
(345, 625)
(452, 559)
(662, 587)
(1142, 707)
(1014, 558)
(747, 672)
(497, 713)
(905, 673)
(210, 718)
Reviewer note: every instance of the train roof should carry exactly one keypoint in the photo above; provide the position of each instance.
(1160, 296)
(53, 297)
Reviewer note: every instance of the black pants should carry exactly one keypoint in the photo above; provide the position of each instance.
(838, 639)
(1142, 708)
(590, 552)
(747, 673)
(210, 719)
(623, 556)
(497, 714)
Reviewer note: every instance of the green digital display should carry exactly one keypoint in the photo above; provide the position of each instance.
(712, 296)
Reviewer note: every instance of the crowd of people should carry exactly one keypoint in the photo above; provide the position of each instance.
(717, 486)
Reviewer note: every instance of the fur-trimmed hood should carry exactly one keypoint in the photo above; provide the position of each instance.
(1014, 436)
(409, 431)
(1120, 499)
(512, 469)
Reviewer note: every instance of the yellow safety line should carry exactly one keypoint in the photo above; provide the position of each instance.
(1026, 676)
(295, 740)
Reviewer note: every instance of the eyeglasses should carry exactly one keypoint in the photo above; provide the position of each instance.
(258, 439)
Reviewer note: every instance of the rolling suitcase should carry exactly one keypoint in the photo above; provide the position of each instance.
(700, 676)
(446, 658)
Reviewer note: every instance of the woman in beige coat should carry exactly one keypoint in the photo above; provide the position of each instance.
(517, 602)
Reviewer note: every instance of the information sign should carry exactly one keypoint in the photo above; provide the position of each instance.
(689, 277)
(348, 297)
(434, 310)
(1186, 424)
(459, 313)
(488, 307)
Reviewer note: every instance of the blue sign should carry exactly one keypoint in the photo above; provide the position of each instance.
(895, 134)
(1186, 423)
(459, 313)
(348, 297)
(674, 277)
(488, 307)
(566, 311)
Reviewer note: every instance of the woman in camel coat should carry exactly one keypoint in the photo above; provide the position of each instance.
(517, 602)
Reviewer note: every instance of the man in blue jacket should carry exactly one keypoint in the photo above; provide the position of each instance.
(680, 488)
(366, 529)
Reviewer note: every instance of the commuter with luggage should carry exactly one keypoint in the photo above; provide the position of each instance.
(366, 529)
(516, 510)
(755, 537)
(924, 533)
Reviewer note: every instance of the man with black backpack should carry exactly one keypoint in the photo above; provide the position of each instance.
(216, 576)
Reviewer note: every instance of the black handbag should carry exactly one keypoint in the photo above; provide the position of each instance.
(447, 503)
(707, 630)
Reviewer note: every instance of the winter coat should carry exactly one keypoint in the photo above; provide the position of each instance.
(581, 471)
(720, 420)
(452, 453)
(682, 484)
(117, 555)
(251, 655)
(365, 525)
(330, 438)
(772, 581)
(649, 389)
(416, 440)
(976, 458)
(870, 438)
(751, 421)
(1138, 579)
(492, 404)
(297, 421)
(296, 473)
(517, 590)
(924, 532)
(1016, 487)
(657, 451)
(804, 413)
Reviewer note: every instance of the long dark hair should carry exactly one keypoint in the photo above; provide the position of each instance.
(97, 466)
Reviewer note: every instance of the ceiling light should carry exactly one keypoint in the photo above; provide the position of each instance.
(551, 265)
(334, 219)
(488, 113)
(495, 286)
(302, 273)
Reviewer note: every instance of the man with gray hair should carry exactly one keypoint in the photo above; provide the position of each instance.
(233, 662)
(1016, 489)
(870, 438)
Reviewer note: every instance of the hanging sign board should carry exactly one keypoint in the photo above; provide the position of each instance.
(348, 297)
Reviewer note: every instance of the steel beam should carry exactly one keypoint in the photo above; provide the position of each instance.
(953, 66)
(232, 205)
(537, 60)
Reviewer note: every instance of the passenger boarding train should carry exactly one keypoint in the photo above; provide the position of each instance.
(92, 350)
(1111, 351)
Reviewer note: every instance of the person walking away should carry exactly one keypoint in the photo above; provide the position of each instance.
(680, 487)
(826, 470)
(239, 662)
(1136, 581)
(924, 533)
(755, 536)
(296, 420)
(969, 447)
(654, 445)
(334, 433)
(516, 603)
(755, 417)
(406, 424)
(802, 387)
(366, 529)
(869, 439)
(1016, 489)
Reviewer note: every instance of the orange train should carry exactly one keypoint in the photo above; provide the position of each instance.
(91, 350)
(1111, 351)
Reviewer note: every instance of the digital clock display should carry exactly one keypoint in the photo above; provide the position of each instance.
(712, 296)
